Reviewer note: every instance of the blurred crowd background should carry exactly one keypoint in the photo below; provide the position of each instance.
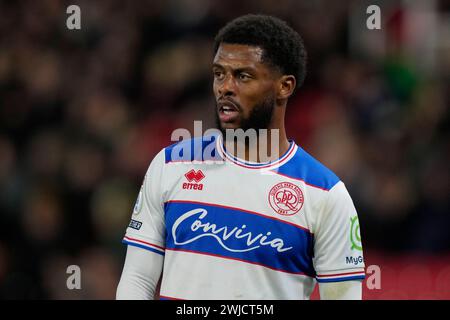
(83, 112)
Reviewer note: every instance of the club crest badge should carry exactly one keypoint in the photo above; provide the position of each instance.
(286, 198)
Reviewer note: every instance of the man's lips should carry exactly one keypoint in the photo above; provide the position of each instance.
(228, 111)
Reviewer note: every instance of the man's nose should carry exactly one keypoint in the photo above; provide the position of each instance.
(227, 87)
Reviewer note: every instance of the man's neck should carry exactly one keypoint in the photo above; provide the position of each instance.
(265, 148)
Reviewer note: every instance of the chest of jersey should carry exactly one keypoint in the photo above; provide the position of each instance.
(247, 215)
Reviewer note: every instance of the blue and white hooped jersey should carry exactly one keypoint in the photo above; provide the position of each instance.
(230, 229)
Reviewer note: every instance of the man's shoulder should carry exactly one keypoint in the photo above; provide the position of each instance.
(305, 167)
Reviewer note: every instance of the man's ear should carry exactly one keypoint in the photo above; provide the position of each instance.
(286, 86)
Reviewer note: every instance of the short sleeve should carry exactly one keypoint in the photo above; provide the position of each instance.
(147, 225)
(338, 253)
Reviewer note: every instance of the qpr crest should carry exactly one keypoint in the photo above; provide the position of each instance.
(286, 198)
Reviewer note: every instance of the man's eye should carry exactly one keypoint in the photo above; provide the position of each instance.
(244, 76)
(218, 74)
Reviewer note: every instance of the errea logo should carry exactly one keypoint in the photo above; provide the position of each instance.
(194, 177)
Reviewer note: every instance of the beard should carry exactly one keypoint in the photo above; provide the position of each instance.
(259, 118)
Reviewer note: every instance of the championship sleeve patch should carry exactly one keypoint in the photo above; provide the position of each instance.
(134, 224)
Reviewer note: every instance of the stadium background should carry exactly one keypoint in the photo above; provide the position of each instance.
(82, 112)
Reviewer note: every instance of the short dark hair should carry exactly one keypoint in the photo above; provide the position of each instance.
(282, 46)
